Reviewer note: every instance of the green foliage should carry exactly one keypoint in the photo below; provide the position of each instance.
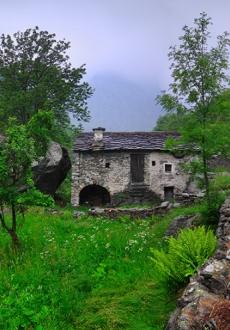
(39, 127)
(169, 122)
(88, 273)
(198, 94)
(210, 214)
(221, 182)
(36, 76)
(219, 190)
(17, 151)
(184, 255)
(63, 193)
(33, 197)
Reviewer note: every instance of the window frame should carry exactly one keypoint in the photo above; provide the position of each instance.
(171, 168)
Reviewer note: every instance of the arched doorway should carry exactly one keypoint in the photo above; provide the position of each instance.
(94, 195)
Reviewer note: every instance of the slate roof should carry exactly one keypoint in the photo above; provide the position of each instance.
(125, 141)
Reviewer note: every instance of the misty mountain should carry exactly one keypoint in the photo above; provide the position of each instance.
(121, 105)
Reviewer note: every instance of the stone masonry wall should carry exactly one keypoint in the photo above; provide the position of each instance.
(158, 178)
(89, 168)
(205, 303)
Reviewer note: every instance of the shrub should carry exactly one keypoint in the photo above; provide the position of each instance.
(219, 190)
(210, 214)
(184, 255)
(221, 182)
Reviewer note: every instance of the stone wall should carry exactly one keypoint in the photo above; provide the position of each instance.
(132, 213)
(205, 303)
(90, 168)
(158, 178)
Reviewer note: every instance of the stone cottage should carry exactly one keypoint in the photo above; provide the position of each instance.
(128, 167)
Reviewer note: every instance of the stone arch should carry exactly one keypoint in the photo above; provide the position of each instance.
(94, 195)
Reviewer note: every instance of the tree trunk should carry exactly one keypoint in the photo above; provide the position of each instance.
(206, 179)
(12, 231)
(15, 240)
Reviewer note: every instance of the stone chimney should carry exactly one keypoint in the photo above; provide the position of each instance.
(98, 137)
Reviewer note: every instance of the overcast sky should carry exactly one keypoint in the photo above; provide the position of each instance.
(124, 44)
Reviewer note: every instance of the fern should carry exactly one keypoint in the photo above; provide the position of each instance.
(184, 255)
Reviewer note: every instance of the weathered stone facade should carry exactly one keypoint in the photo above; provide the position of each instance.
(111, 168)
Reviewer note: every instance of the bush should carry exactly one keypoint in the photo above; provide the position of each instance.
(221, 182)
(184, 255)
(210, 215)
(219, 190)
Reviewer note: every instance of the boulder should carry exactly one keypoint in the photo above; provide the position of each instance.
(51, 171)
(165, 205)
(79, 214)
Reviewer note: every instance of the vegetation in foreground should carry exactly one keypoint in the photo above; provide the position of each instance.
(183, 256)
(84, 273)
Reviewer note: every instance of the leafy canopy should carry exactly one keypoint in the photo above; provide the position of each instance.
(36, 75)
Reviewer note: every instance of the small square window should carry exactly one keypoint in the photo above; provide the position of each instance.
(153, 163)
(168, 168)
(107, 165)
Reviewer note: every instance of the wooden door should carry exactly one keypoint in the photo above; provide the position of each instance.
(137, 168)
(168, 193)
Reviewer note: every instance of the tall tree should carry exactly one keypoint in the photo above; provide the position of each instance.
(36, 75)
(199, 75)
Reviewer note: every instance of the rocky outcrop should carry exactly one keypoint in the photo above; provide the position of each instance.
(205, 303)
(51, 171)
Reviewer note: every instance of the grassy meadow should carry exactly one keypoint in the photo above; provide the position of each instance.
(87, 273)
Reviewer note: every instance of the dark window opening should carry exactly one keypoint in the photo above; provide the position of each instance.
(153, 163)
(107, 165)
(169, 193)
(168, 168)
(94, 195)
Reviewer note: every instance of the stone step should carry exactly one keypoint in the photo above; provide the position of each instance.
(136, 194)
(138, 190)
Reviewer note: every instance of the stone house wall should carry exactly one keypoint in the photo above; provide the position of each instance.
(158, 178)
(89, 168)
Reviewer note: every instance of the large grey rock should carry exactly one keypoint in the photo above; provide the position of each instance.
(165, 205)
(51, 171)
(79, 214)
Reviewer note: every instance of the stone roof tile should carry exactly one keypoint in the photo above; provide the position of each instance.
(125, 141)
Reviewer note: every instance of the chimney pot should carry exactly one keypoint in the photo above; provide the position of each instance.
(98, 134)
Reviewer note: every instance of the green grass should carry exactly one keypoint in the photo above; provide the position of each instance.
(87, 273)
